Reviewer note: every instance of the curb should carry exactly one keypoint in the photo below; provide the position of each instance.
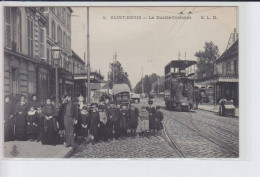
(214, 112)
(68, 153)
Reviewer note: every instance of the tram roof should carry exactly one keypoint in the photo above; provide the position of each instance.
(181, 63)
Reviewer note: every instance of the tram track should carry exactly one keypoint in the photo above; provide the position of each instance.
(172, 141)
(202, 133)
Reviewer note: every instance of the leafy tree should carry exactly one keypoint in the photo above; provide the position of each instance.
(148, 83)
(120, 77)
(206, 58)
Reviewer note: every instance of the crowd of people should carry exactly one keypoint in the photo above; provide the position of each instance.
(94, 122)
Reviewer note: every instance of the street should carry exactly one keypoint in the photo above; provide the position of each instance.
(194, 134)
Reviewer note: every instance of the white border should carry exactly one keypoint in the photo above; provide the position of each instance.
(245, 166)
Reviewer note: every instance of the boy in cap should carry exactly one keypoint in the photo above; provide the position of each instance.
(152, 118)
(94, 123)
(112, 118)
(85, 122)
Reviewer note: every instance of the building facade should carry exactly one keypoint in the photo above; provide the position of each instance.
(29, 33)
(226, 75)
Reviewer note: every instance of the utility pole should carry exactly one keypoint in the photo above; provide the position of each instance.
(142, 81)
(115, 70)
(88, 55)
(158, 88)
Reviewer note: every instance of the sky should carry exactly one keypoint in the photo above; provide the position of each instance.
(143, 41)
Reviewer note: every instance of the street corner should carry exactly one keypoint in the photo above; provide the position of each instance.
(28, 149)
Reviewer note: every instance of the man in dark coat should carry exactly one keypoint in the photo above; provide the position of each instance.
(68, 113)
(112, 118)
(8, 120)
(94, 123)
(197, 97)
(159, 119)
(133, 119)
(152, 118)
(117, 121)
(123, 119)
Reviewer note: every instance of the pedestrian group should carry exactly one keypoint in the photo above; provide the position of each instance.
(94, 122)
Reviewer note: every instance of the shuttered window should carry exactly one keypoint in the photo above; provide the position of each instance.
(30, 36)
(42, 43)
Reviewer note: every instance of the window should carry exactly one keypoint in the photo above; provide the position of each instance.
(41, 42)
(69, 43)
(64, 40)
(236, 66)
(58, 13)
(8, 38)
(68, 20)
(48, 54)
(30, 36)
(31, 82)
(228, 66)
(20, 30)
(53, 29)
(47, 25)
(59, 35)
(223, 68)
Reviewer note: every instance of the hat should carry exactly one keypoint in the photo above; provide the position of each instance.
(150, 101)
(49, 114)
(85, 107)
(7, 96)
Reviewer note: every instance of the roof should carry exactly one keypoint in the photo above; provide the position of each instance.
(181, 63)
(118, 88)
(229, 53)
(74, 54)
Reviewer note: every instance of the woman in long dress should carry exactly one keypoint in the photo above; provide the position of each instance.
(49, 134)
(21, 110)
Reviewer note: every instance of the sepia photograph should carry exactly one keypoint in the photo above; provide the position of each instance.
(128, 82)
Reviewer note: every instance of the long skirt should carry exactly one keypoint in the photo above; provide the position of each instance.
(9, 130)
(152, 123)
(20, 127)
(49, 134)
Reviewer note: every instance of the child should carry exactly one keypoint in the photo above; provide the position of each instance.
(31, 127)
(39, 122)
(144, 121)
(159, 119)
(85, 122)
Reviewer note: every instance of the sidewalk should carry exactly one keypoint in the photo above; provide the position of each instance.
(210, 107)
(28, 149)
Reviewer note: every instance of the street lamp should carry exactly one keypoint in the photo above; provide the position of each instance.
(56, 56)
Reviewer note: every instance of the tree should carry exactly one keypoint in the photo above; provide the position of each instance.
(206, 58)
(147, 82)
(117, 75)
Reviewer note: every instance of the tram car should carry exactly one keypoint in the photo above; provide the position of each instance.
(179, 85)
(121, 93)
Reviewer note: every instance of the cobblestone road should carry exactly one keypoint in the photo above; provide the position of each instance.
(190, 142)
